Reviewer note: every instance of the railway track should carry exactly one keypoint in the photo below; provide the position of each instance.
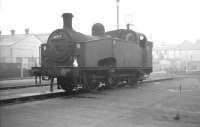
(23, 86)
(42, 85)
(49, 95)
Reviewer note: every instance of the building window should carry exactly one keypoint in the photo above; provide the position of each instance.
(2, 59)
(32, 61)
(19, 60)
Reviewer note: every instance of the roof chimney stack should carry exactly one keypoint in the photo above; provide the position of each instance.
(67, 20)
(27, 31)
(12, 32)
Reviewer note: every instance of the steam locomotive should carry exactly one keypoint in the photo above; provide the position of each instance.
(110, 58)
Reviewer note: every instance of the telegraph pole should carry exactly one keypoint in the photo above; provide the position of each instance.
(117, 1)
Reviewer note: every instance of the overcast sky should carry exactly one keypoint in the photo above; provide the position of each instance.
(170, 21)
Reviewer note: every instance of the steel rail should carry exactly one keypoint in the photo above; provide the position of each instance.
(23, 86)
(49, 95)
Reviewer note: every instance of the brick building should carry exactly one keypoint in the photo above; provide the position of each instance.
(179, 57)
(21, 48)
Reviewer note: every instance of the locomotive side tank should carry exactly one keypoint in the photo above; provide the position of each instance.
(131, 49)
(110, 57)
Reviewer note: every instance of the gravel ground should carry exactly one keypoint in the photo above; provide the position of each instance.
(157, 104)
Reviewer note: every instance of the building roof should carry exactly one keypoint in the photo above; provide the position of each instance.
(8, 40)
(190, 46)
(42, 37)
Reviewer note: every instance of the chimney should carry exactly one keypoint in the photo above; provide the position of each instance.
(27, 31)
(0, 32)
(67, 20)
(12, 32)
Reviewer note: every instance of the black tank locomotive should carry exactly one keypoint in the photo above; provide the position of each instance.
(109, 57)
